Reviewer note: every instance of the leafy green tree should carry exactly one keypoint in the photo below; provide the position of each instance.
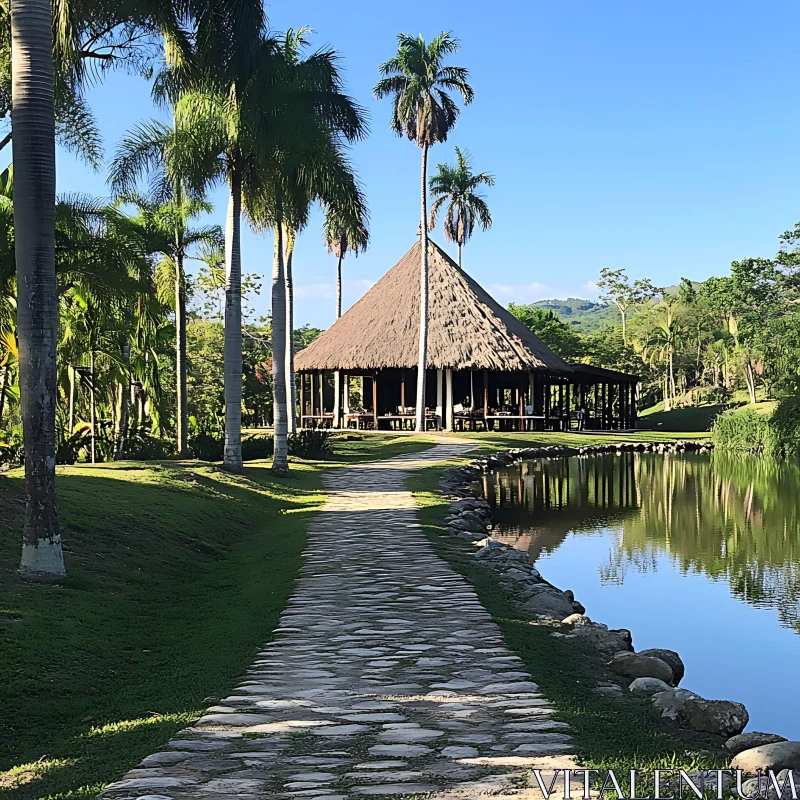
(458, 187)
(422, 110)
(748, 303)
(617, 289)
(557, 335)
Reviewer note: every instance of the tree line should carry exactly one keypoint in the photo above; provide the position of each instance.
(698, 342)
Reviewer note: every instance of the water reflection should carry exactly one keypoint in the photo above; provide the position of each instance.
(723, 517)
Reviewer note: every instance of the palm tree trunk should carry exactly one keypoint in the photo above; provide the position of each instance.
(459, 255)
(339, 287)
(291, 389)
(124, 391)
(623, 312)
(337, 376)
(422, 361)
(750, 380)
(92, 405)
(182, 401)
(71, 416)
(233, 327)
(3, 385)
(37, 297)
(280, 459)
(672, 374)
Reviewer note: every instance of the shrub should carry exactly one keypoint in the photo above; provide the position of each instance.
(254, 447)
(310, 443)
(746, 431)
(207, 446)
(784, 425)
(742, 430)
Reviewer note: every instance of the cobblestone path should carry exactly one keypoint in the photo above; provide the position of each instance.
(385, 677)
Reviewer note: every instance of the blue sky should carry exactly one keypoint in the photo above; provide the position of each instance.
(658, 137)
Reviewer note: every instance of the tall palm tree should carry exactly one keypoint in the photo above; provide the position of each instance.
(458, 187)
(307, 119)
(343, 233)
(423, 111)
(217, 94)
(37, 308)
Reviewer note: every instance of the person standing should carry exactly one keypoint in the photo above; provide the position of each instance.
(581, 418)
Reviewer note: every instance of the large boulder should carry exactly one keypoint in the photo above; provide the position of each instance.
(764, 787)
(747, 741)
(721, 717)
(670, 703)
(551, 604)
(778, 756)
(671, 658)
(599, 636)
(648, 686)
(633, 665)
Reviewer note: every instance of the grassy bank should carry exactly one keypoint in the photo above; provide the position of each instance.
(697, 419)
(177, 572)
(493, 442)
(769, 428)
(620, 733)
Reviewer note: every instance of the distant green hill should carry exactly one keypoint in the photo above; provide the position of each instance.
(584, 315)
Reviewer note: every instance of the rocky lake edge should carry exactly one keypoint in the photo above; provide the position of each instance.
(653, 673)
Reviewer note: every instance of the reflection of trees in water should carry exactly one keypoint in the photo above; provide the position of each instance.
(734, 519)
(537, 503)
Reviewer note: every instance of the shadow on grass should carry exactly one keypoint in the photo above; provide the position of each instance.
(176, 576)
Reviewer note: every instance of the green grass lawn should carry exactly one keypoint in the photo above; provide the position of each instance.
(620, 733)
(177, 572)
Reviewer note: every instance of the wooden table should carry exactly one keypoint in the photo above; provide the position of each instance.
(364, 420)
(316, 421)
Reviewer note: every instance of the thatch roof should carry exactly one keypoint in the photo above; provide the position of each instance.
(467, 328)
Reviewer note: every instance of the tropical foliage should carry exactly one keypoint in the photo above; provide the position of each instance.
(729, 339)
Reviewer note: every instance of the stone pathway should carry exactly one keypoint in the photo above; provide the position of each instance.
(385, 677)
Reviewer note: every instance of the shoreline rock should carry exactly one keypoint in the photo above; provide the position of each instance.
(654, 672)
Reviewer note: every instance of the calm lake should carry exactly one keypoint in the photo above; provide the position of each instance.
(696, 553)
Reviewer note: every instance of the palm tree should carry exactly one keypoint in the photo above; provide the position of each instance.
(37, 309)
(307, 122)
(217, 94)
(458, 187)
(343, 233)
(424, 112)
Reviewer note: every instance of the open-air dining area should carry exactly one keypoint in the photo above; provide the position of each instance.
(487, 371)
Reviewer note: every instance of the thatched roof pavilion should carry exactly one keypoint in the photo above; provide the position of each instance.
(467, 328)
(489, 360)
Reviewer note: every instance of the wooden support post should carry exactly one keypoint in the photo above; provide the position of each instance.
(439, 399)
(403, 390)
(312, 396)
(485, 396)
(567, 421)
(337, 400)
(322, 393)
(302, 397)
(375, 401)
(346, 389)
(521, 395)
(449, 401)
